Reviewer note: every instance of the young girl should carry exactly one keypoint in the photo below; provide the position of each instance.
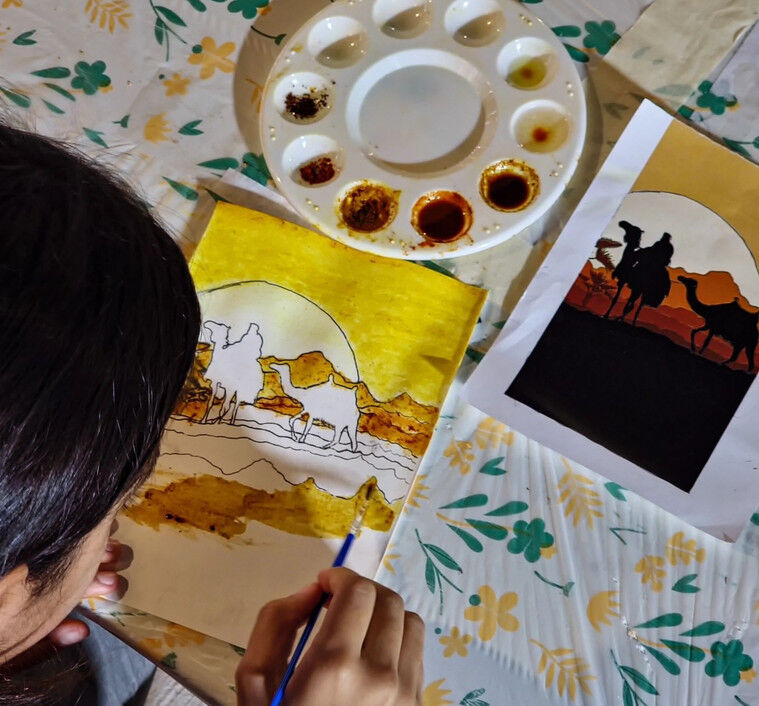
(98, 326)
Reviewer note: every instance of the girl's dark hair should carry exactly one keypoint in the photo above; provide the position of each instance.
(98, 326)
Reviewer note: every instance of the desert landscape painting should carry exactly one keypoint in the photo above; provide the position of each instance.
(654, 346)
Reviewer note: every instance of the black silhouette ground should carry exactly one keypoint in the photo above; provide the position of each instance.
(631, 390)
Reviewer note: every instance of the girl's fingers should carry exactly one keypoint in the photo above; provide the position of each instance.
(410, 663)
(116, 557)
(350, 611)
(265, 660)
(382, 644)
(69, 632)
(112, 552)
(104, 583)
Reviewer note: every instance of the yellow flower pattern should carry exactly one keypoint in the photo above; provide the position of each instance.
(416, 494)
(601, 607)
(582, 501)
(13, 3)
(108, 14)
(455, 643)
(434, 694)
(157, 129)
(389, 556)
(176, 85)
(461, 455)
(256, 92)
(651, 570)
(571, 670)
(492, 612)
(680, 551)
(491, 433)
(210, 57)
(173, 636)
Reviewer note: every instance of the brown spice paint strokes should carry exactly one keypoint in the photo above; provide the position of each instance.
(400, 420)
(225, 507)
(368, 207)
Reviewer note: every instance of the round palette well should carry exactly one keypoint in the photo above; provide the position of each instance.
(422, 129)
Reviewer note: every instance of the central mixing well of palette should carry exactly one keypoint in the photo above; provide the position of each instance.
(417, 129)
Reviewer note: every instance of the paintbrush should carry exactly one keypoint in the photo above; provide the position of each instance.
(342, 555)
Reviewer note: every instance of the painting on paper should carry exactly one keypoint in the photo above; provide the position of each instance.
(319, 370)
(653, 348)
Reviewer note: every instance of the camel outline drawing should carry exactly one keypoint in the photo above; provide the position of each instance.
(328, 402)
(643, 271)
(729, 321)
(234, 367)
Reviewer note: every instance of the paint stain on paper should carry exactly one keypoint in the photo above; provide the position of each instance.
(225, 507)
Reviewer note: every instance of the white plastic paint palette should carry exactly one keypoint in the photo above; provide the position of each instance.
(423, 128)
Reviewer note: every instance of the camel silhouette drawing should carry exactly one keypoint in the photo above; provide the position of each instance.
(327, 402)
(234, 368)
(643, 271)
(728, 321)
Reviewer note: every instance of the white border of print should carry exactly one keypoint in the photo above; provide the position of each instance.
(727, 491)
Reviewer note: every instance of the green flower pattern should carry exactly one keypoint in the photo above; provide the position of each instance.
(90, 78)
(248, 8)
(716, 104)
(530, 539)
(728, 661)
(600, 36)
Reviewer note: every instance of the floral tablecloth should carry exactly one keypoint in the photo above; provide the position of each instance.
(540, 583)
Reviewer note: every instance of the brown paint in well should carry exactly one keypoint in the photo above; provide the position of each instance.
(368, 207)
(509, 185)
(442, 216)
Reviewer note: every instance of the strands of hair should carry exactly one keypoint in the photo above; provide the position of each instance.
(98, 326)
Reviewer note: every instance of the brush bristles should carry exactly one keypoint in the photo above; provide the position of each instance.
(361, 512)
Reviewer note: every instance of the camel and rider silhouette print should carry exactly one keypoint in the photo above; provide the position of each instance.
(654, 345)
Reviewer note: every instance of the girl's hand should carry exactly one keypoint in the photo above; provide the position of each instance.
(71, 631)
(368, 650)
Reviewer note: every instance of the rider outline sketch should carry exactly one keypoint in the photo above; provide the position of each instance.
(654, 346)
(234, 372)
(236, 378)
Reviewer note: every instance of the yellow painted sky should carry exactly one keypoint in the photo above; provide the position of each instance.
(408, 326)
(689, 163)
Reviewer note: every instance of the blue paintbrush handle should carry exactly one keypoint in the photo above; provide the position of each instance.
(339, 561)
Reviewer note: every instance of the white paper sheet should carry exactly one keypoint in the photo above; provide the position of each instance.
(726, 491)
